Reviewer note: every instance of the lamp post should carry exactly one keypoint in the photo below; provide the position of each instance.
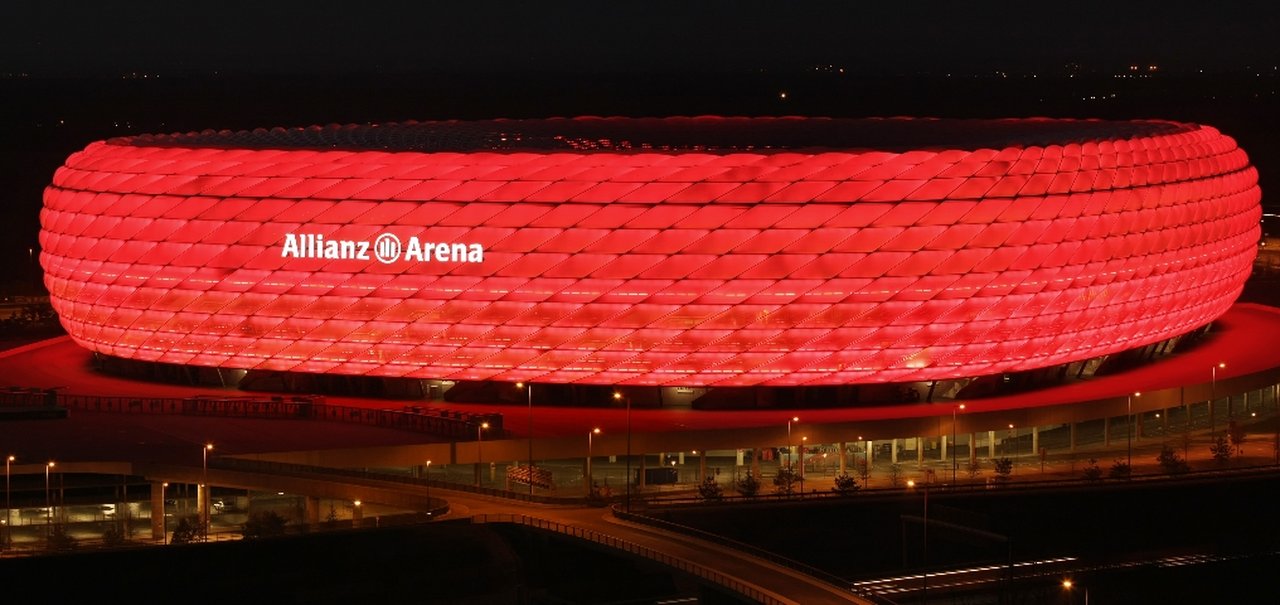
(204, 509)
(164, 533)
(793, 419)
(1068, 584)
(924, 555)
(617, 396)
(1128, 427)
(520, 385)
(428, 471)
(1213, 394)
(48, 507)
(8, 503)
(803, 441)
(479, 449)
(1015, 449)
(590, 436)
(954, 462)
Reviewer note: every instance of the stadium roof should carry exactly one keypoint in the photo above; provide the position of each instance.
(679, 134)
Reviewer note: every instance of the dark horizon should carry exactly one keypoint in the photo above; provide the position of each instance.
(293, 37)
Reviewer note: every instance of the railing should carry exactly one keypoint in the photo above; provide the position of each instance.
(303, 470)
(749, 591)
(436, 421)
(89, 533)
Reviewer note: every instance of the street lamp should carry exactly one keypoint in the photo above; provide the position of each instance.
(204, 510)
(1213, 388)
(793, 419)
(803, 440)
(590, 436)
(1128, 426)
(924, 555)
(48, 507)
(8, 503)
(954, 462)
(164, 534)
(1067, 585)
(617, 396)
(1015, 448)
(428, 471)
(479, 451)
(521, 385)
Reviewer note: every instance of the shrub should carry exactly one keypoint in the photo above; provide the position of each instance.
(60, 540)
(1120, 470)
(1235, 434)
(1221, 450)
(186, 531)
(785, 481)
(1093, 472)
(749, 485)
(263, 524)
(114, 535)
(709, 490)
(845, 485)
(1170, 462)
(1003, 468)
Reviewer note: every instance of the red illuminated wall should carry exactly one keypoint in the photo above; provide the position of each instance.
(688, 268)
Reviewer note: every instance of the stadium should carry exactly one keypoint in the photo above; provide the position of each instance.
(858, 287)
(688, 253)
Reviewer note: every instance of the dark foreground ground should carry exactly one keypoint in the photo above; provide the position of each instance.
(1129, 545)
(1130, 539)
(441, 563)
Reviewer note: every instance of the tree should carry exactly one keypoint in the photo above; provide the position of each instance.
(845, 485)
(1004, 468)
(895, 475)
(974, 469)
(748, 485)
(1120, 470)
(114, 534)
(1221, 450)
(1170, 462)
(785, 481)
(597, 495)
(1235, 434)
(60, 540)
(1093, 472)
(710, 490)
(331, 519)
(186, 531)
(263, 524)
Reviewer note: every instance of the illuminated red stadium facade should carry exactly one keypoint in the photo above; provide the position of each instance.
(683, 251)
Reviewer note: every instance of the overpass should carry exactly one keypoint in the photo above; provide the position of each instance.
(750, 576)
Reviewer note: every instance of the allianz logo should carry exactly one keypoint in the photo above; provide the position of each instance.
(386, 249)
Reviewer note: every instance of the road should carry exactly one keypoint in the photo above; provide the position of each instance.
(766, 576)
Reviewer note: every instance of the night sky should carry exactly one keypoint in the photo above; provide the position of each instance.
(292, 36)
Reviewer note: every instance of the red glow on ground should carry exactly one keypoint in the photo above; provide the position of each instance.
(1244, 339)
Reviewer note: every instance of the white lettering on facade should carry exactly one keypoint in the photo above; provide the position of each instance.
(386, 245)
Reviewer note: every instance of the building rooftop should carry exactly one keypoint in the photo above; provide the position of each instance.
(677, 134)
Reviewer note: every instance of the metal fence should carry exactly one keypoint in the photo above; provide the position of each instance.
(303, 470)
